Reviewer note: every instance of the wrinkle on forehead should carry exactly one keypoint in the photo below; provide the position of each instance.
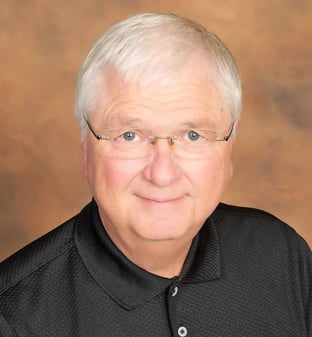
(189, 97)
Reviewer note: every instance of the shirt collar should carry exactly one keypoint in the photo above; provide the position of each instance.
(125, 282)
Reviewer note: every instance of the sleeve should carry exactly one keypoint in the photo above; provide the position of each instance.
(5, 329)
(306, 282)
(298, 267)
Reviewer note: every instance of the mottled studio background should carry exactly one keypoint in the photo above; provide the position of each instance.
(42, 44)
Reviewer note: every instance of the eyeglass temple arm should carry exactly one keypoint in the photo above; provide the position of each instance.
(98, 137)
(226, 138)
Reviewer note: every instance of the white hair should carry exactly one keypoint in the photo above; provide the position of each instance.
(143, 48)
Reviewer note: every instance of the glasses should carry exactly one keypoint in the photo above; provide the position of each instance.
(137, 143)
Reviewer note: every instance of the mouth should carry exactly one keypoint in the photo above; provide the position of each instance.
(161, 200)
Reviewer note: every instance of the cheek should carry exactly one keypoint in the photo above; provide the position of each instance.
(111, 174)
(225, 168)
(228, 165)
(213, 175)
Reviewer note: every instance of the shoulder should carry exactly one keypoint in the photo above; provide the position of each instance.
(36, 254)
(268, 253)
(5, 329)
(258, 231)
(251, 220)
(245, 214)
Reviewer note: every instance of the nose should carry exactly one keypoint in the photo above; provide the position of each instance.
(162, 169)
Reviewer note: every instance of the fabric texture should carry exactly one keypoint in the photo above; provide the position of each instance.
(246, 274)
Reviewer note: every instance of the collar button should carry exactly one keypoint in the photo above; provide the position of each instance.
(175, 291)
(182, 331)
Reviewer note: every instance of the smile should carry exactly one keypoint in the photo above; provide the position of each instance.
(160, 201)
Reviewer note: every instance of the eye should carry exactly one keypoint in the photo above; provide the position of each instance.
(193, 135)
(129, 136)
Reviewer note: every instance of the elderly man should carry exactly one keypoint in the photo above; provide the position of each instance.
(155, 253)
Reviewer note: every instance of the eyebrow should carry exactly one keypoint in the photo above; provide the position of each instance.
(199, 124)
(126, 122)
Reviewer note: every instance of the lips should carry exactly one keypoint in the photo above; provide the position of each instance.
(161, 200)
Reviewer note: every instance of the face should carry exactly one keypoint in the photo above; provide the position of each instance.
(160, 197)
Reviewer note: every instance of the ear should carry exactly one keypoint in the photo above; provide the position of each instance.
(229, 167)
(84, 158)
(231, 170)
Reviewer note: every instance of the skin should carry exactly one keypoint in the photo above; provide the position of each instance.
(153, 207)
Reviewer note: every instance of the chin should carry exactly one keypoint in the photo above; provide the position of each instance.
(163, 231)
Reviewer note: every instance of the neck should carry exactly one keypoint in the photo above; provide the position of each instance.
(164, 259)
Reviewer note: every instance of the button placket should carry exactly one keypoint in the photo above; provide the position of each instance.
(178, 328)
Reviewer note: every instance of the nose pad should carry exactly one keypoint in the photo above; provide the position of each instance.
(170, 141)
(154, 140)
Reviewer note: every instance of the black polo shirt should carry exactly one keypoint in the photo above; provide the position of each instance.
(246, 274)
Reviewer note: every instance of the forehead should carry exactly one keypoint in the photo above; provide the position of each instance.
(188, 96)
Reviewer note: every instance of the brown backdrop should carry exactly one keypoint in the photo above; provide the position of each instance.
(42, 45)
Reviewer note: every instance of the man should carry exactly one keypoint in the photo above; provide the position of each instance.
(155, 253)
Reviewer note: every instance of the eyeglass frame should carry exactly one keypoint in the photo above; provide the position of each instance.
(153, 139)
